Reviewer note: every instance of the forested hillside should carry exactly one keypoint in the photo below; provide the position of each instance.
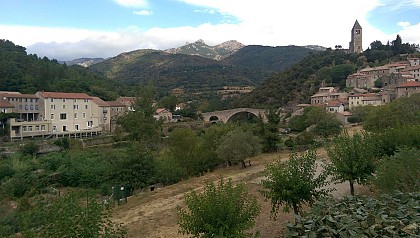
(28, 74)
(167, 71)
(269, 58)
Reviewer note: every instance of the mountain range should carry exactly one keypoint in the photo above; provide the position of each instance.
(197, 67)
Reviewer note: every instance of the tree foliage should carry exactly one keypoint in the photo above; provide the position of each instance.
(140, 124)
(399, 172)
(269, 132)
(67, 216)
(222, 210)
(293, 183)
(238, 145)
(353, 158)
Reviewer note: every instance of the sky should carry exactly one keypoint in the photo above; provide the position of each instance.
(70, 29)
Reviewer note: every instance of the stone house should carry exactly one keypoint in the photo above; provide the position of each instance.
(408, 88)
(163, 114)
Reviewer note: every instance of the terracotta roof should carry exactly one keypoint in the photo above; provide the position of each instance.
(5, 104)
(415, 67)
(346, 113)
(100, 102)
(127, 99)
(409, 84)
(65, 95)
(17, 95)
(115, 104)
(334, 103)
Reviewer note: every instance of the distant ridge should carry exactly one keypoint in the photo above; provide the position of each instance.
(200, 48)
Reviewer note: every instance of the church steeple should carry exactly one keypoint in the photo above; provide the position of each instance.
(356, 38)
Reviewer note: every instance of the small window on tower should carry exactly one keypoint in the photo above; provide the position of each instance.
(357, 31)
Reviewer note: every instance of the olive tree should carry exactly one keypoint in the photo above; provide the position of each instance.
(238, 145)
(222, 210)
(294, 182)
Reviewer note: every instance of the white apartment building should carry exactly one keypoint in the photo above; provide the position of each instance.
(68, 112)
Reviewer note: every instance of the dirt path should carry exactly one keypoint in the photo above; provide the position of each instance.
(153, 214)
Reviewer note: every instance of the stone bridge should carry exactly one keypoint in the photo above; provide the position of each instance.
(225, 115)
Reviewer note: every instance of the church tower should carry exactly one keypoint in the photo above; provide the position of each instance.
(356, 38)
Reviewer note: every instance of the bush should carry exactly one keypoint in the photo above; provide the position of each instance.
(220, 211)
(399, 172)
(393, 138)
(30, 148)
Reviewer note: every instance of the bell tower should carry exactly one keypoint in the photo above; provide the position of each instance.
(356, 38)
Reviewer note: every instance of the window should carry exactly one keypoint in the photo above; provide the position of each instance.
(54, 128)
(84, 115)
(64, 106)
(75, 116)
(52, 116)
(76, 127)
(24, 128)
(52, 99)
(29, 128)
(36, 107)
(20, 107)
(26, 100)
(26, 107)
(86, 107)
(86, 100)
(42, 127)
(63, 116)
(75, 107)
(36, 128)
(75, 100)
(64, 128)
(52, 107)
(64, 100)
(31, 107)
(30, 100)
(36, 99)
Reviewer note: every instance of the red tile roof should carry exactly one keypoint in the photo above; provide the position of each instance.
(409, 84)
(5, 104)
(100, 102)
(115, 104)
(65, 95)
(17, 95)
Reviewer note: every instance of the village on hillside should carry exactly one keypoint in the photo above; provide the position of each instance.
(370, 86)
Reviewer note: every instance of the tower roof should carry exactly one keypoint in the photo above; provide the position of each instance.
(356, 25)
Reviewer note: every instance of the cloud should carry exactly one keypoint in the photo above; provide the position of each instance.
(297, 22)
(404, 24)
(143, 13)
(208, 11)
(132, 3)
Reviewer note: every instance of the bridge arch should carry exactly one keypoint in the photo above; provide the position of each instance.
(225, 115)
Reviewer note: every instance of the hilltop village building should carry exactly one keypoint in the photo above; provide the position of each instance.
(59, 114)
(399, 79)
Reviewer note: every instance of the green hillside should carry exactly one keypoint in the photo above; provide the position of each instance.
(168, 71)
(269, 58)
(28, 74)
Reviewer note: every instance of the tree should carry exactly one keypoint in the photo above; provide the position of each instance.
(269, 132)
(134, 169)
(224, 210)
(168, 102)
(30, 148)
(238, 145)
(293, 183)
(140, 124)
(67, 216)
(353, 158)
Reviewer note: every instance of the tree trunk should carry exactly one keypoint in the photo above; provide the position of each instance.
(295, 209)
(352, 187)
(243, 163)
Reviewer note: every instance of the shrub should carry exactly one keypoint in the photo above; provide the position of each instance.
(220, 211)
(399, 172)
